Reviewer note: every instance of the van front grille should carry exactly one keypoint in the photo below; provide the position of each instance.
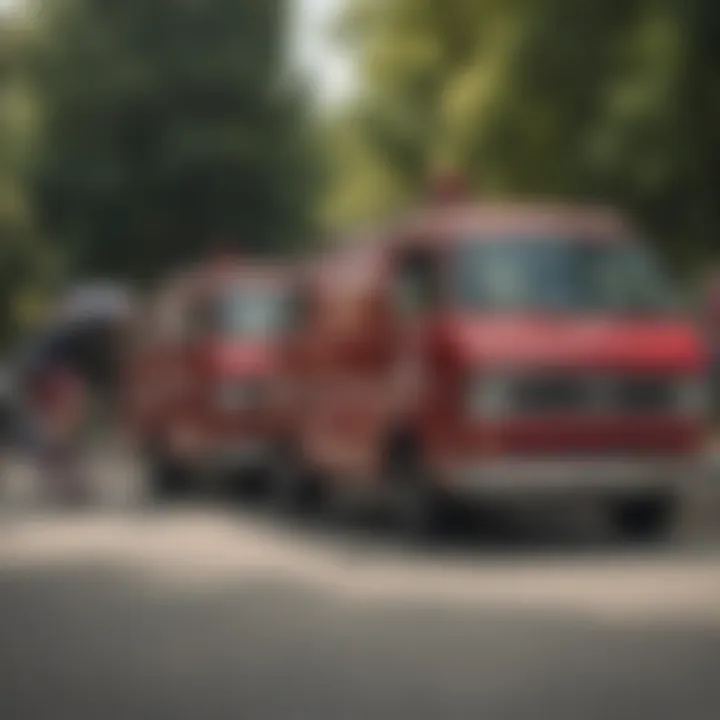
(553, 394)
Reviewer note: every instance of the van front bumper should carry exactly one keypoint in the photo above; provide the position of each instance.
(575, 476)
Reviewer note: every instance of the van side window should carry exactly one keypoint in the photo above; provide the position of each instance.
(416, 283)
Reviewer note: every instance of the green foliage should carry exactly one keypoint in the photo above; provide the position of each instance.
(166, 127)
(600, 99)
(25, 265)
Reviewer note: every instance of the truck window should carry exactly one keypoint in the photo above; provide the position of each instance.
(558, 274)
(253, 310)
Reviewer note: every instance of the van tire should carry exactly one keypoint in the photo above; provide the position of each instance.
(246, 485)
(168, 480)
(646, 518)
(289, 488)
(418, 509)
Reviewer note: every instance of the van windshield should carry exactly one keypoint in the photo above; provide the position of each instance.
(253, 310)
(562, 275)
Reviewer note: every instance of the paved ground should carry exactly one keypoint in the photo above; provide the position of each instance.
(209, 613)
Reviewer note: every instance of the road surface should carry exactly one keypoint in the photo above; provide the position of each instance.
(202, 612)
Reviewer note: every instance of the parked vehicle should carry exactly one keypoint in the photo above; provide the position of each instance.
(199, 372)
(475, 352)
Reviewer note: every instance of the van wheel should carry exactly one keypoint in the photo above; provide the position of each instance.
(168, 480)
(645, 518)
(290, 487)
(418, 509)
(245, 485)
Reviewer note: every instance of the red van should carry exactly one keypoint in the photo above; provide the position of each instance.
(478, 352)
(200, 371)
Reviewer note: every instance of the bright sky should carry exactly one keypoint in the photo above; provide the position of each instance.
(311, 46)
(315, 52)
(6, 5)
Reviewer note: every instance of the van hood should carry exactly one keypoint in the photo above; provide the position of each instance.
(638, 343)
(243, 357)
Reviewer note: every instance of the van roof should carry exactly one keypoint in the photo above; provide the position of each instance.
(448, 223)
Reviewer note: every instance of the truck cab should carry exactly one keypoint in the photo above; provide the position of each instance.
(199, 374)
(505, 352)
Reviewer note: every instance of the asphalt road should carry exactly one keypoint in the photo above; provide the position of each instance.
(209, 613)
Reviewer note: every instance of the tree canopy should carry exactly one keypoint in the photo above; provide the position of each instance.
(166, 126)
(612, 100)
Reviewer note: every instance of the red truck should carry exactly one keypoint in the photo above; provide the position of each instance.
(199, 374)
(476, 352)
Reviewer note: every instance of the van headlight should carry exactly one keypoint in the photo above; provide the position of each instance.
(693, 397)
(490, 396)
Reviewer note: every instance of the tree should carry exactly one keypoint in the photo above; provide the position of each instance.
(25, 264)
(167, 126)
(613, 100)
